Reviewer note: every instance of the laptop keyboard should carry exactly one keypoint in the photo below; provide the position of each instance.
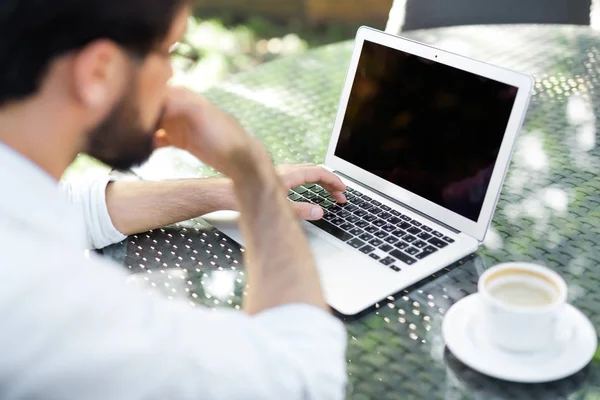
(386, 235)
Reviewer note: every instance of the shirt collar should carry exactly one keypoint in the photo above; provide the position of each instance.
(31, 197)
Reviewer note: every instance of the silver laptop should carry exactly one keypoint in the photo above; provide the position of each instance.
(423, 139)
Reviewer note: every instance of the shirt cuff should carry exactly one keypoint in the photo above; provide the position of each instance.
(108, 234)
(300, 315)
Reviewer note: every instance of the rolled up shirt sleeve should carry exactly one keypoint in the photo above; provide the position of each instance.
(89, 198)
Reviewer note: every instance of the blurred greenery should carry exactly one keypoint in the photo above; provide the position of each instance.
(217, 47)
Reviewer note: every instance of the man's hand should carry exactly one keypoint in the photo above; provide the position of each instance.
(296, 175)
(193, 123)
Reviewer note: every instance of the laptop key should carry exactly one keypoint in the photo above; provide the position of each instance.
(412, 251)
(357, 201)
(387, 261)
(418, 244)
(356, 231)
(416, 223)
(391, 239)
(371, 229)
(388, 228)
(379, 222)
(426, 252)
(406, 218)
(357, 193)
(386, 208)
(326, 204)
(356, 243)
(300, 190)
(409, 239)
(338, 221)
(345, 214)
(366, 206)
(346, 226)
(393, 267)
(349, 189)
(394, 220)
(367, 249)
(438, 243)
(374, 256)
(385, 215)
(353, 219)
(448, 239)
(426, 228)
(294, 197)
(375, 202)
(367, 198)
(404, 225)
(396, 213)
(332, 230)
(375, 242)
(381, 234)
(318, 200)
(360, 213)
(399, 233)
(437, 234)
(414, 230)
(370, 218)
(362, 224)
(385, 247)
(310, 195)
(424, 236)
(351, 208)
(366, 237)
(376, 211)
(405, 258)
(401, 245)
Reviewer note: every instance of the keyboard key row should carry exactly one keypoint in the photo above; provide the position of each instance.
(347, 221)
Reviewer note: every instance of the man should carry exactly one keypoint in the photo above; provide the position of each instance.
(92, 76)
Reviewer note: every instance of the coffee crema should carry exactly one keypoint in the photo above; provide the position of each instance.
(523, 294)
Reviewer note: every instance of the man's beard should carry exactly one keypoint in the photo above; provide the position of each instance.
(120, 141)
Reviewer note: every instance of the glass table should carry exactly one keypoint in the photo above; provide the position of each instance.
(548, 212)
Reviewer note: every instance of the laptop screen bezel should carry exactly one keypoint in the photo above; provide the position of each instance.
(522, 82)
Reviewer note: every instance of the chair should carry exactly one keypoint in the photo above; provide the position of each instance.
(407, 15)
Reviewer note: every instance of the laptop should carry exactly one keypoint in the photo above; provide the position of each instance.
(423, 139)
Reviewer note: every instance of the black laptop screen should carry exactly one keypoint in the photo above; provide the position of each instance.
(429, 128)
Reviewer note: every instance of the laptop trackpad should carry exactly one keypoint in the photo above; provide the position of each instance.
(321, 249)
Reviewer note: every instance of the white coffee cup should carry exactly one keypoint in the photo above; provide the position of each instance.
(521, 303)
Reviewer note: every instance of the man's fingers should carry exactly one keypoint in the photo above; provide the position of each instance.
(309, 212)
(339, 197)
(314, 174)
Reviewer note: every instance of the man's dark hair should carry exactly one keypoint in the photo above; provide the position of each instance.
(34, 32)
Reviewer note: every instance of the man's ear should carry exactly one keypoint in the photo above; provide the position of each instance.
(99, 75)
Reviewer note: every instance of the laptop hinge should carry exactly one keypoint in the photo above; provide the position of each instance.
(398, 202)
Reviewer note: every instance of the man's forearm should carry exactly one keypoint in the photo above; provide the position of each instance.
(136, 207)
(281, 269)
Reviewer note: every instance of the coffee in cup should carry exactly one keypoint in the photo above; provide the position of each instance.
(521, 303)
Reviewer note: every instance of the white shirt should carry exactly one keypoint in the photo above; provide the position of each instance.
(72, 328)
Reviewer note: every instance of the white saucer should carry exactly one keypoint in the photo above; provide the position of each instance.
(466, 339)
